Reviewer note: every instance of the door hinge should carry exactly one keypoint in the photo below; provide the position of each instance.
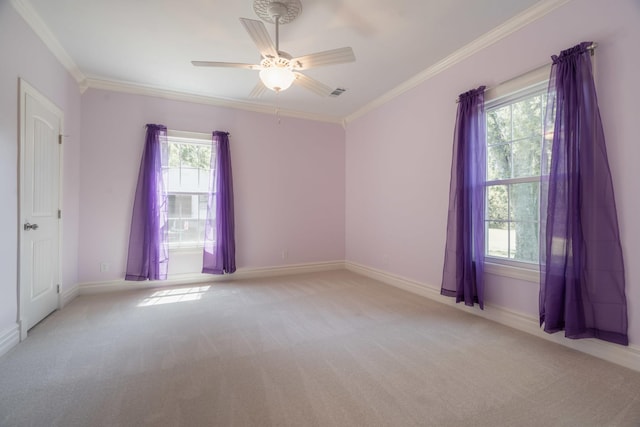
(58, 288)
(59, 214)
(60, 139)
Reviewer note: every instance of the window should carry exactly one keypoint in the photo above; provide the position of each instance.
(187, 174)
(515, 126)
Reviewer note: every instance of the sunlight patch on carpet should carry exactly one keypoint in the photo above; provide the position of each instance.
(171, 296)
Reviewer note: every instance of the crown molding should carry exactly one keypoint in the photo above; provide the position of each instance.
(31, 17)
(519, 21)
(139, 89)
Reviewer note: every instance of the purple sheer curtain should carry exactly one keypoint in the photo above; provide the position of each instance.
(463, 275)
(148, 251)
(219, 244)
(582, 286)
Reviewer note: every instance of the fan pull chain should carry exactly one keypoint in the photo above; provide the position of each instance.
(277, 34)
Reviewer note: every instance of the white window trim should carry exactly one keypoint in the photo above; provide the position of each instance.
(529, 82)
(189, 136)
(504, 268)
(505, 93)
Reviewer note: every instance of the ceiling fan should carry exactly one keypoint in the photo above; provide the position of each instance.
(278, 69)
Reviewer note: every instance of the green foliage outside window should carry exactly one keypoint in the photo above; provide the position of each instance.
(189, 155)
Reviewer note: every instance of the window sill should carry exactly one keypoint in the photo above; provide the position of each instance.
(526, 274)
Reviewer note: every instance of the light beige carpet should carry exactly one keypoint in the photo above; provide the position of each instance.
(328, 349)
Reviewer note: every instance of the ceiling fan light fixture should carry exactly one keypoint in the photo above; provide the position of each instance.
(278, 69)
(277, 78)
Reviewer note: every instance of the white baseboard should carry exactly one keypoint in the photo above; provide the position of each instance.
(188, 279)
(69, 295)
(9, 338)
(626, 356)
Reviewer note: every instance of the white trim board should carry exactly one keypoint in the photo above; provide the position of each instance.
(628, 357)
(31, 17)
(188, 279)
(158, 92)
(513, 272)
(69, 295)
(9, 338)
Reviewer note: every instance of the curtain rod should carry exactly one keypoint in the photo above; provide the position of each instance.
(590, 48)
(187, 131)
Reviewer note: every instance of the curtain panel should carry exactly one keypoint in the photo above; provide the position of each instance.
(582, 284)
(463, 274)
(219, 244)
(148, 255)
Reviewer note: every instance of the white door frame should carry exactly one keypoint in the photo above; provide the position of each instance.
(27, 89)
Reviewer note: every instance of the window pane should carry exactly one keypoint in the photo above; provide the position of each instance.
(526, 157)
(499, 162)
(527, 118)
(187, 216)
(189, 166)
(179, 205)
(195, 156)
(497, 239)
(190, 232)
(514, 144)
(174, 155)
(525, 212)
(187, 174)
(524, 201)
(188, 179)
(204, 176)
(203, 205)
(499, 125)
(524, 245)
(498, 205)
(547, 144)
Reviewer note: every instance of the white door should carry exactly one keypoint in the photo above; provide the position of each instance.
(40, 127)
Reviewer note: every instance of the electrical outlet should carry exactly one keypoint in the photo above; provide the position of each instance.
(104, 267)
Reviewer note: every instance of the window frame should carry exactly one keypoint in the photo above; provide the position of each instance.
(194, 138)
(509, 92)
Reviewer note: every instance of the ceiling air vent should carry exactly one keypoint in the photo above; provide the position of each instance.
(339, 91)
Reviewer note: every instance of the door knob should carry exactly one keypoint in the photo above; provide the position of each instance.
(28, 226)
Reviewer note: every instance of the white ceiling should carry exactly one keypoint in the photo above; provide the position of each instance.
(151, 43)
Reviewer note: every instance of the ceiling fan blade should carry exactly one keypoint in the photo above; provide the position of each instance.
(260, 37)
(328, 57)
(258, 90)
(225, 64)
(312, 84)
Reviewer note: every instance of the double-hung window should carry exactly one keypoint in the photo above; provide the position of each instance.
(515, 132)
(187, 173)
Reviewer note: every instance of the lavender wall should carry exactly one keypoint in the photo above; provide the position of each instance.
(288, 181)
(399, 155)
(24, 55)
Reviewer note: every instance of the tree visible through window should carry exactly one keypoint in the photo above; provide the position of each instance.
(187, 173)
(514, 143)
